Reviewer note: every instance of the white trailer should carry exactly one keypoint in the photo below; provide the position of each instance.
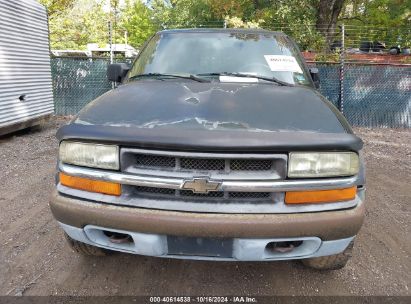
(26, 95)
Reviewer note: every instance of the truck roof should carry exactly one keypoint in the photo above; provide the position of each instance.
(221, 30)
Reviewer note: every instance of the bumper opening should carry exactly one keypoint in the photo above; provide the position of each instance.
(282, 247)
(118, 238)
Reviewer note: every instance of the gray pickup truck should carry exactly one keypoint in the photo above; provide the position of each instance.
(215, 145)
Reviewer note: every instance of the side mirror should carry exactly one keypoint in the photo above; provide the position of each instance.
(117, 71)
(315, 77)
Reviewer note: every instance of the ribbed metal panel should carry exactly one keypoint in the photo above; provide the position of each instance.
(24, 63)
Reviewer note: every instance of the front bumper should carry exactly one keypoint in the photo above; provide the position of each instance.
(327, 225)
(325, 233)
(240, 249)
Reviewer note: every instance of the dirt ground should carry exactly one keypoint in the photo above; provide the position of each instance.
(35, 260)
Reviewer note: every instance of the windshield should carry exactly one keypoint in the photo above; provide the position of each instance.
(209, 53)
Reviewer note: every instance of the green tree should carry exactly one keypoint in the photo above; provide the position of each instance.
(296, 18)
(312, 23)
(388, 21)
(137, 19)
(328, 12)
(243, 9)
(57, 7)
(74, 27)
(183, 13)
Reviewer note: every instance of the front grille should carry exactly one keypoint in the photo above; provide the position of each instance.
(152, 190)
(189, 193)
(251, 164)
(188, 166)
(220, 195)
(246, 195)
(147, 161)
(202, 164)
(155, 161)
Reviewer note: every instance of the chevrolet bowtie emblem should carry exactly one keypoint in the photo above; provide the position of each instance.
(201, 185)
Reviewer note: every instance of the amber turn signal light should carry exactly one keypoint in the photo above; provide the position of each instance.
(320, 196)
(90, 185)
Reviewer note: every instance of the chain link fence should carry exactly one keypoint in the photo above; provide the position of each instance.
(374, 95)
(76, 82)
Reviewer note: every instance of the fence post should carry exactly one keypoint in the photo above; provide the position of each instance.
(110, 37)
(342, 58)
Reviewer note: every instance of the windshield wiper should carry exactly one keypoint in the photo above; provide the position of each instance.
(192, 77)
(236, 74)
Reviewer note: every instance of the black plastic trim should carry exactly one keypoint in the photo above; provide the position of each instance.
(211, 141)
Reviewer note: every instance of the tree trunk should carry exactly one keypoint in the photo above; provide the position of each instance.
(327, 16)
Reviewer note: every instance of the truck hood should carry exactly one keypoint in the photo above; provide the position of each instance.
(214, 116)
(213, 106)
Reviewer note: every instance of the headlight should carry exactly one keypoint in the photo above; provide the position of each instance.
(90, 155)
(323, 164)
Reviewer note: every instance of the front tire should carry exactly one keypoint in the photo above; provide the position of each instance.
(331, 262)
(85, 249)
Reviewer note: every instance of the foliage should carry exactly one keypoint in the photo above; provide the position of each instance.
(312, 23)
(183, 13)
(236, 22)
(388, 13)
(85, 22)
(296, 18)
(136, 19)
(327, 57)
(57, 7)
(388, 21)
(221, 9)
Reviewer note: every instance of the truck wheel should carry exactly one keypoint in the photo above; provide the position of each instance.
(331, 262)
(85, 249)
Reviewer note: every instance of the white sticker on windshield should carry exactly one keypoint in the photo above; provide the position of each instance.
(224, 78)
(283, 63)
